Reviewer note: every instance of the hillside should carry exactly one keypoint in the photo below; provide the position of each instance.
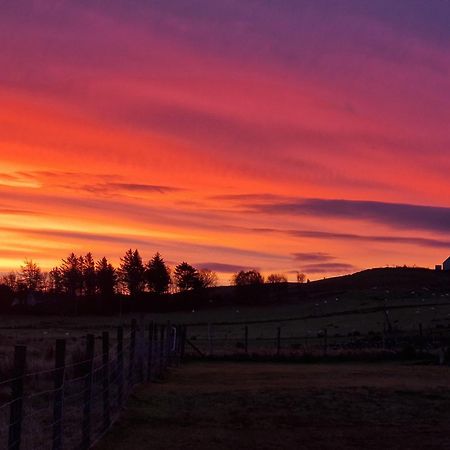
(397, 283)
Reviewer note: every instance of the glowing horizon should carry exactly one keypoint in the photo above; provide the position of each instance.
(309, 136)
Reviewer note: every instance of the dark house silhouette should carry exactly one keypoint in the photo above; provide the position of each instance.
(446, 264)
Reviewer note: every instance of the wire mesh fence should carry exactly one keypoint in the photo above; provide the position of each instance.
(73, 404)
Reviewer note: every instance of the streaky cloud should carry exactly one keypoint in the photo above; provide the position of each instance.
(313, 234)
(329, 268)
(314, 256)
(397, 215)
(223, 267)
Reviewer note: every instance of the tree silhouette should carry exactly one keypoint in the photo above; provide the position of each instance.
(56, 281)
(301, 277)
(88, 269)
(31, 276)
(247, 278)
(11, 280)
(131, 272)
(72, 274)
(106, 278)
(208, 278)
(276, 278)
(157, 275)
(6, 297)
(186, 277)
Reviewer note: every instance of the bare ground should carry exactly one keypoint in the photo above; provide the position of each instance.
(288, 406)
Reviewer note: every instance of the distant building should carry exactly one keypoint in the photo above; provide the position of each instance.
(446, 264)
(438, 267)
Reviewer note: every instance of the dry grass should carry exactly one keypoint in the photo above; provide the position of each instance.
(278, 406)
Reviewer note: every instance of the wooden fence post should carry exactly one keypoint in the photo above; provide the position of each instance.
(168, 346)
(60, 365)
(210, 339)
(151, 329)
(178, 344)
(278, 341)
(161, 350)
(325, 342)
(156, 360)
(15, 418)
(132, 351)
(421, 337)
(86, 428)
(120, 365)
(141, 351)
(246, 339)
(105, 376)
(183, 341)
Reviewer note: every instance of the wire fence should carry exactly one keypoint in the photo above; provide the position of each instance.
(282, 338)
(72, 405)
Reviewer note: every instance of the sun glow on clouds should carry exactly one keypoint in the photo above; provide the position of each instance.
(240, 134)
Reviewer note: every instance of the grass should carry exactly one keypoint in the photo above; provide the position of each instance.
(288, 406)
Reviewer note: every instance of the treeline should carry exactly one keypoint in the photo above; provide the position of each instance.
(83, 284)
(83, 276)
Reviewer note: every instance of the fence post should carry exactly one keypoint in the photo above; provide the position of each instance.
(161, 350)
(120, 365)
(421, 337)
(140, 352)
(60, 365)
(156, 360)
(325, 342)
(132, 351)
(278, 341)
(183, 341)
(15, 418)
(210, 339)
(90, 342)
(151, 328)
(168, 346)
(246, 339)
(177, 344)
(105, 361)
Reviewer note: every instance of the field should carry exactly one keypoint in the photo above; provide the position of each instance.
(288, 406)
(385, 315)
(340, 316)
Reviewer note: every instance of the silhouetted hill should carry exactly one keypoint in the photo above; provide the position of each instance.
(372, 284)
(397, 279)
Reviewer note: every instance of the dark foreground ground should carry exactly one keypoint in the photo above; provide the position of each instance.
(281, 406)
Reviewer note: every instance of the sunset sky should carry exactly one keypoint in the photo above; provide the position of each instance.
(277, 135)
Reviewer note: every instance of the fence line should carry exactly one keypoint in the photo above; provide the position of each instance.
(73, 405)
(348, 312)
(247, 338)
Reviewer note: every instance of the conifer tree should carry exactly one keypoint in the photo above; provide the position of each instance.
(131, 272)
(106, 277)
(157, 275)
(186, 277)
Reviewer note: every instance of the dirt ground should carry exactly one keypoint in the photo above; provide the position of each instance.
(288, 406)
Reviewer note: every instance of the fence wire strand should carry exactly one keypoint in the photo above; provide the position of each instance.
(81, 397)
